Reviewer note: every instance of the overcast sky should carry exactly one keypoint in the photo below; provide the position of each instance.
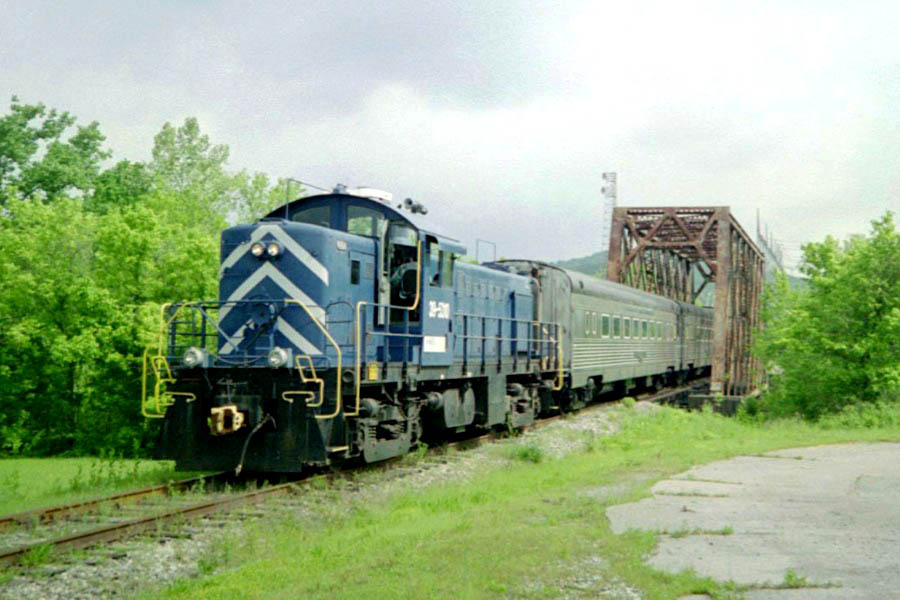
(501, 116)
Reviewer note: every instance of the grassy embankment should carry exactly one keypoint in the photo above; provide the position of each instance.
(27, 483)
(532, 528)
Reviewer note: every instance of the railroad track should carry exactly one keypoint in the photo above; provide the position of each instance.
(32, 518)
(130, 527)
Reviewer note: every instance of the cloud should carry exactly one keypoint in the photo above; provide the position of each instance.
(500, 117)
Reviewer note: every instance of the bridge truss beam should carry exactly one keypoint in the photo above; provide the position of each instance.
(676, 252)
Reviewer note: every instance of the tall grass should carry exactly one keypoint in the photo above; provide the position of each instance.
(520, 530)
(27, 483)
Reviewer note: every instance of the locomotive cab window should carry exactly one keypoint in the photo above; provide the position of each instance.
(354, 272)
(317, 215)
(447, 269)
(363, 221)
(433, 265)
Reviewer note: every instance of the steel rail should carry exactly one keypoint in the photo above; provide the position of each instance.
(123, 529)
(44, 515)
(135, 526)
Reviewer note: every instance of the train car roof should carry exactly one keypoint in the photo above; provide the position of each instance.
(285, 210)
(379, 202)
(602, 288)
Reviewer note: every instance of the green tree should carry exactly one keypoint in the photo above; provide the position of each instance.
(52, 317)
(87, 258)
(35, 157)
(186, 163)
(125, 184)
(838, 339)
(255, 197)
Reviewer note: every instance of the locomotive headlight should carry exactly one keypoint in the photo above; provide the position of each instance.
(193, 357)
(257, 250)
(273, 249)
(277, 357)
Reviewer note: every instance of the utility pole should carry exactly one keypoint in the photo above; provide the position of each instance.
(609, 191)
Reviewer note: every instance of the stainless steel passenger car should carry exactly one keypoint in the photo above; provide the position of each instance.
(614, 333)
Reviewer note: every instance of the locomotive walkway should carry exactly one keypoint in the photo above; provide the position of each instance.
(828, 514)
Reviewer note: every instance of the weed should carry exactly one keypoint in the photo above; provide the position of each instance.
(691, 494)
(793, 580)
(680, 533)
(199, 488)
(525, 453)
(419, 453)
(38, 555)
(6, 575)
(421, 450)
(628, 402)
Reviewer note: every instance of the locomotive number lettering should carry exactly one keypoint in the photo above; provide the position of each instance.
(438, 310)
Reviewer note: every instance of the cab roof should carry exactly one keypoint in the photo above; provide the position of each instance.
(339, 201)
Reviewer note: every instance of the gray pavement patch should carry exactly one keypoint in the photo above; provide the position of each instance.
(833, 517)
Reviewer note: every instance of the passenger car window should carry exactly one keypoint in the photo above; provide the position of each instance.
(626, 332)
(617, 327)
(317, 215)
(644, 329)
(363, 221)
(594, 323)
(605, 327)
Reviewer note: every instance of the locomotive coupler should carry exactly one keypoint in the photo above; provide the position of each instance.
(225, 419)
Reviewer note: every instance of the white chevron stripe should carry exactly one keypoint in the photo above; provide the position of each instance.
(289, 244)
(295, 338)
(268, 270)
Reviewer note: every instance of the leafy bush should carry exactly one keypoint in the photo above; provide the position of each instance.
(837, 340)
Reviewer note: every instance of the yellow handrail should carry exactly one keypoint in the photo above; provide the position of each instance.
(357, 371)
(157, 414)
(314, 379)
(337, 348)
(159, 364)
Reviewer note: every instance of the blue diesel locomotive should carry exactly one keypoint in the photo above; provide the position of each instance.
(343, 330)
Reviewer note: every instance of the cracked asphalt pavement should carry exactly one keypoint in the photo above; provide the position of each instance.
(830, 514)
